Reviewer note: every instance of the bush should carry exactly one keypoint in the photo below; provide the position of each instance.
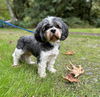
(24, 24)
(76, 22)
(98, 23)
(95, 22)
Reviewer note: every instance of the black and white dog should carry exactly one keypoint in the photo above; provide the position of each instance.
(44, 44)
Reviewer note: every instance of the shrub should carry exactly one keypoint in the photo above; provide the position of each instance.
(76, 22)
(98, 23)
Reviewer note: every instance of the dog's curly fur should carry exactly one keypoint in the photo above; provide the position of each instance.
(44, 45)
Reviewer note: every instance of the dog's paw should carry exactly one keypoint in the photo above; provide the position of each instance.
(43, 75)
(31, 63)
(15, 65)
(52, 70)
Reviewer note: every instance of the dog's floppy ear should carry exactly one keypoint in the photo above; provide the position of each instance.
(65, 32)
(39, 34)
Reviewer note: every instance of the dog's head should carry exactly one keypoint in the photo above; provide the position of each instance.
(51, 29)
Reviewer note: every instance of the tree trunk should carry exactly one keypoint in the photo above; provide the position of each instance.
(13, 18)
(90, 10)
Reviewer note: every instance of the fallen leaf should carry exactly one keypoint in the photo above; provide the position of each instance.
(76, 70)
(69, 53)
(71, 78)
(74, 73)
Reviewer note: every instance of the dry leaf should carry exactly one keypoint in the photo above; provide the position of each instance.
(71, 78)
(69, 53)
(76, 70)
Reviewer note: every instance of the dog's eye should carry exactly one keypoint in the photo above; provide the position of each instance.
(57, 26)
(47, 27)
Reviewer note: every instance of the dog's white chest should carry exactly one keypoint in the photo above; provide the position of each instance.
(54, 51)
(51, 53)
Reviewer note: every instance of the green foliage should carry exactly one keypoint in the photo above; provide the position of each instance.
(23, 24)
(4, 14)
(75, 12)
(76, 22)
(95, 12)
(98, 23)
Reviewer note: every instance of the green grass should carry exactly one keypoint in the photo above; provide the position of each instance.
(88, 30)
(23, 81)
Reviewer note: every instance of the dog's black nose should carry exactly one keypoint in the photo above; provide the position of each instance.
(53, 30)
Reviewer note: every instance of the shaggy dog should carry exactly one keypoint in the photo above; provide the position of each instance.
(44, 45)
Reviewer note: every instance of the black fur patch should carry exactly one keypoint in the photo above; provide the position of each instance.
(29, 43)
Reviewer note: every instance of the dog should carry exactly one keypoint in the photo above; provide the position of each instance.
(44, 44)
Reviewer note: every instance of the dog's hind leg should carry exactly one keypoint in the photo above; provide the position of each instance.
(16, 56)
(28, 59)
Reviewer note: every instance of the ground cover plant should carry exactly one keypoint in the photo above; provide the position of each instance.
(23, 81)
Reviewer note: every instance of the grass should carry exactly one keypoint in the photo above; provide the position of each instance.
(88, 30)
(24, 81)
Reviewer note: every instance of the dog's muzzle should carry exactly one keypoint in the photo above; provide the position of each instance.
(53, 35)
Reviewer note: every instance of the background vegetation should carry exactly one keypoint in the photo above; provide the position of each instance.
(76, 13)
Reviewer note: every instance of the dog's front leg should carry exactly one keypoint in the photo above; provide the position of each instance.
(51, 64)
(42, 68)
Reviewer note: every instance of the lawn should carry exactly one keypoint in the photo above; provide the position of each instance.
(23, 81)
(88, 30)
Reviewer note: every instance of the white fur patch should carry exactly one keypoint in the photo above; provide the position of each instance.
(16, 56)
(50, 18)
